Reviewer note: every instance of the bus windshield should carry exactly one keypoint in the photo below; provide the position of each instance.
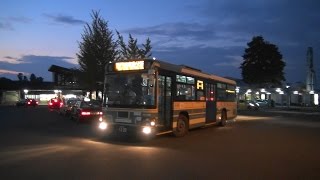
(130, 89)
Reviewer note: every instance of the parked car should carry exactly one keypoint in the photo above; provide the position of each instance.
(27, 102)
(262, 103)
(86, 111)
(22, 102)
(55, 103)
(248, 104)
(67, 106)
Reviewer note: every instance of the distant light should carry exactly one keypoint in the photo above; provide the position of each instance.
(68, 96)
(263, 90)
(154, 58)
(295, 92)
(237, 89)
(316, 99)
(25, 91)
(311, 92)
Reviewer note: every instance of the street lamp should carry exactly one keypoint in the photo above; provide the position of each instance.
(25, 93)
(288, 95)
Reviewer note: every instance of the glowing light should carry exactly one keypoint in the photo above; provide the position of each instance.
(237, 89)
(316, 99)
(103, 125)
(146, 130)
(199, 84)
(131, 65)
(85, 113)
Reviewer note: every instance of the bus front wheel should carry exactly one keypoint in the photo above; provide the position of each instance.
(182, 126)
(223, 121)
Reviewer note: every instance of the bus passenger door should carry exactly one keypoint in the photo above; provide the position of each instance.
(211, 105)
(165, 101)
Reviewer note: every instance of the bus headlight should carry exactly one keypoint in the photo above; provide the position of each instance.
(146, 130)
(103, 125)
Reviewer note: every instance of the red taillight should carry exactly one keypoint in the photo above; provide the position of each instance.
(100, 113)
(28, 102)
(50, 103)
(85, 113)
(37, 102)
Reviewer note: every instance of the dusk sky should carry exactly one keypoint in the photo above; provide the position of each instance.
(210, 35)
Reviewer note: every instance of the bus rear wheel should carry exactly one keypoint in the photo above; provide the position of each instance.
(182, 126)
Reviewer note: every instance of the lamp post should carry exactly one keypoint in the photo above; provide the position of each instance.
(288, 95)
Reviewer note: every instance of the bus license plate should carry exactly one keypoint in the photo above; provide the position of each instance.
(122, 129)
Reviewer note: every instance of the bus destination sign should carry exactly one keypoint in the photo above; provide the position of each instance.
(130, 65)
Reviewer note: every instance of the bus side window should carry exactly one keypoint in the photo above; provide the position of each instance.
(200, 96)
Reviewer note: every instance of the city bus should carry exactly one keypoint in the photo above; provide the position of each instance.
(151, 97)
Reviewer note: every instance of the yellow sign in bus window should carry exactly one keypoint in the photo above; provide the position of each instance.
(200, 84)
(130, 65)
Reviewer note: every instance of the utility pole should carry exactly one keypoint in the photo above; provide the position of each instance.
(311, 75)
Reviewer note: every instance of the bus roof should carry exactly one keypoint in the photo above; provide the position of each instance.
(183, 69)
(190, 71)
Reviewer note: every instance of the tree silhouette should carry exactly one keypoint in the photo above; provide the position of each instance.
(97, 48)
(32, 78)
(262, 63)
(20, 76)
(131, 50)
(25, 79)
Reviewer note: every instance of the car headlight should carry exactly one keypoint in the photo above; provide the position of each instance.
(146, 130)
(103, 125)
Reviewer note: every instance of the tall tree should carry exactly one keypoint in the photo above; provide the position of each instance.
(33, 78)
(20, 76)
(131, 50)
(97, 48)
(25, 79)
(262, 63)
(39, 79)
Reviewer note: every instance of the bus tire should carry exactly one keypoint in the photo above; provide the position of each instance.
(182, 126)
(223, 121)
